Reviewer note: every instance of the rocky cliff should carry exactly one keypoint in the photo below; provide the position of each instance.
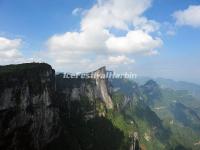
(89, 91)
(42, 111)
(101, 85)
(28, 119)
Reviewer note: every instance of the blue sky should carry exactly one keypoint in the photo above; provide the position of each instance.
(41, 30)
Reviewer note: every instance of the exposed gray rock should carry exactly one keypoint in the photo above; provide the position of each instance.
(102, 87)
(35, 106)
(25, 110)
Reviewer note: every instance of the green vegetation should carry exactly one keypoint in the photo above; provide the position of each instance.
(23, 68)
(134, 119)
(177, 110)
(154, 133)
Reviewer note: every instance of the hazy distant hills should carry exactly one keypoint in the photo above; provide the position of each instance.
(192, 88)
(177, 108)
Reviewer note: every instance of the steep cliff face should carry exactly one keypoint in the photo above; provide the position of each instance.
(28, 119)
(42, 111)
(90, 93)
(102, 88)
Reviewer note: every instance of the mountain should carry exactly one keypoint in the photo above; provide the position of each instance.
(152, 92)
(191, 88)
(41, 110)
(26, 98)
(132, 104)
(186, 116)
(155, 114)
(177, 110)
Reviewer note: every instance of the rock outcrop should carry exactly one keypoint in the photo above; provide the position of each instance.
(92, 88)
(38, 109)
(134, 141)
(101, 83)
(27, 118)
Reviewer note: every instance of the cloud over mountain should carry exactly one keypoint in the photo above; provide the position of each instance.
(98, 38)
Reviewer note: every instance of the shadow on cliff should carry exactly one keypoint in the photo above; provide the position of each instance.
(95, 134)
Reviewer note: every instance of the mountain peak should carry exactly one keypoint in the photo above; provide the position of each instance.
(101, 82)
(100, 72)
(152, 90)
(151, 83)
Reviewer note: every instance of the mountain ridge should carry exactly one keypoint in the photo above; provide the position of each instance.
(41, 110)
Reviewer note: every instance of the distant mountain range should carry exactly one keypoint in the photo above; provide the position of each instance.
(192, 88)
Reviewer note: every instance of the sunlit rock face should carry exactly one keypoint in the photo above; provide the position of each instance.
(92, 88)
(102, 88)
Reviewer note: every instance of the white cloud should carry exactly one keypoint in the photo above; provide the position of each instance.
(116, 60)
(142, 23)
(95, 38)
(77, 11)
(152, 52)
(10, 51)
(134, 41)
(7, 44)
(189, 16)
(114, 13)
(89, 40)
